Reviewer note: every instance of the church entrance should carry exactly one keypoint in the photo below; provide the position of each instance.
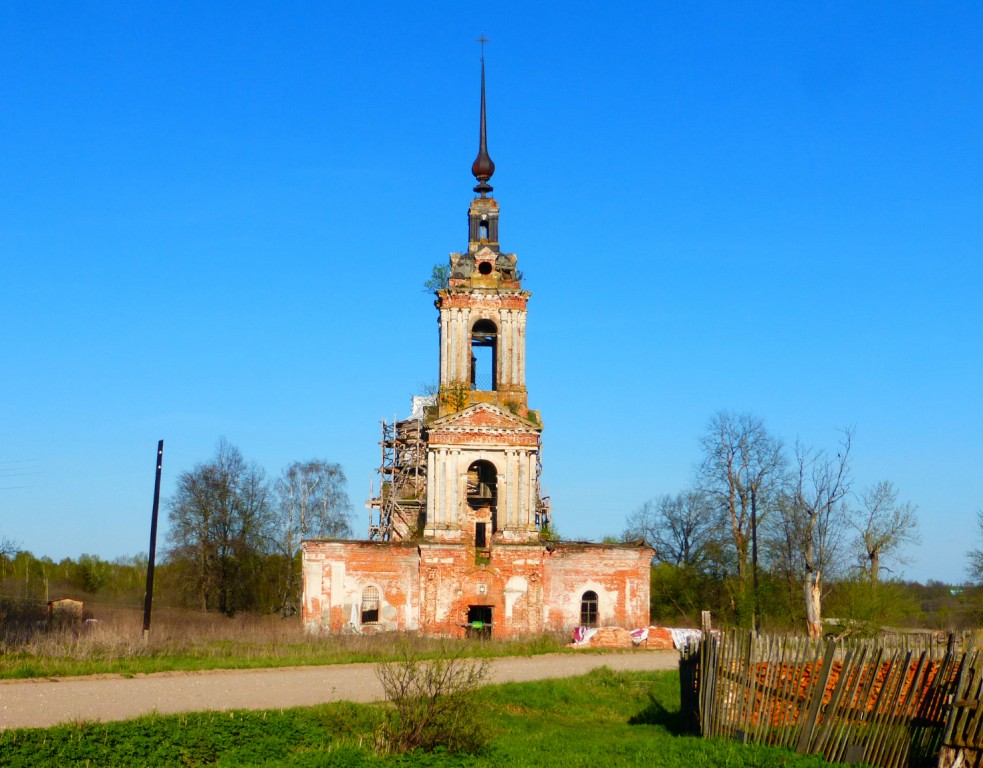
(479, 621)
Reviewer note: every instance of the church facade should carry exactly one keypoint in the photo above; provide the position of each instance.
(460, 539)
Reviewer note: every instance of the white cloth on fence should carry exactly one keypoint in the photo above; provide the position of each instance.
(680, 636)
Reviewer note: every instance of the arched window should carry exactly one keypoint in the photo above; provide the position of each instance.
(370, 605)
(484, 355)
(588, 609)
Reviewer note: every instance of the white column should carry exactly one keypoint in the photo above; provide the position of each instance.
(531, 490)
(522, 490)
(448, 491)
(443, 347)
(458, 493)
(432, 499)
(452, 343)
(464, 356)
(521, 349)
(504, 363)
(462, 473)
(506, 493)
(516, 346)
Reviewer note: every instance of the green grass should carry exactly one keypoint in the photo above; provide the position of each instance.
(602, 719)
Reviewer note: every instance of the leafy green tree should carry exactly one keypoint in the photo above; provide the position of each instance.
(91, 573)
(439, 277)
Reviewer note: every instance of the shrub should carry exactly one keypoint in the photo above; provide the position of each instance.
(433, 704)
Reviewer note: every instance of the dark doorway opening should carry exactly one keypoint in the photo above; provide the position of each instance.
(480, 539)
(479, 621)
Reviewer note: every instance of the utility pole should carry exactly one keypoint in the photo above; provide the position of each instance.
(754, 557)
(149, 595)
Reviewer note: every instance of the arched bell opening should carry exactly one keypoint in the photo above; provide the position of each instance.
(484, 356)
(483, 494)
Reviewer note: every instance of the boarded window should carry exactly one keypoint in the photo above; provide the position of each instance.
(588, 609)
(370, 605)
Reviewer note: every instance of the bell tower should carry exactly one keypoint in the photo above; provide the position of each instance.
(484, 446)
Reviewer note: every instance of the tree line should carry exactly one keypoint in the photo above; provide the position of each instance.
(235, 536)
(233, 542)
(771, 529)
(821, 541)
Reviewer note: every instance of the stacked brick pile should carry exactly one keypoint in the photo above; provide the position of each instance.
(659, 639)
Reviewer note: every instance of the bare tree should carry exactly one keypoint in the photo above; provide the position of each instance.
(682, 529)
(885, 526)
(220, 521)
(817, 517)
(8, 548)
(742, 467)
(976, 555)
(311, 503)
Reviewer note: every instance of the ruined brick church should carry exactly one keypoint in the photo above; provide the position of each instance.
(459, 540)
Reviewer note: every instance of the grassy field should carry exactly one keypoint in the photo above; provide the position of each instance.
(189, 640)
(601, 719)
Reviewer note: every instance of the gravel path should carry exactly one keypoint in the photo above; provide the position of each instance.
(45, 702)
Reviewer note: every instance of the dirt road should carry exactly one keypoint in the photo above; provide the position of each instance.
(46, 702)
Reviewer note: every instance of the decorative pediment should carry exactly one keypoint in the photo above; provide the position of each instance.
(483, 416)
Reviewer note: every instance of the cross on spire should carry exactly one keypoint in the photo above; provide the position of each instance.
(482, 168)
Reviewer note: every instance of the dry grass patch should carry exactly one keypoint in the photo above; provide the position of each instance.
(190, 640)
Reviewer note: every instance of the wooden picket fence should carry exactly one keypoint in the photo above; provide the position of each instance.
(906, 701)
(962, 739)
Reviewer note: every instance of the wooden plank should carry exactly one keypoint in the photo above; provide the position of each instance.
(966, 678)
(898, 674)
(832, 709)
(763, 731)
(876, 702)
(897, 749)
(971, 736)
(798, 701)
(931, 717)
(817, 690)
(853, 711)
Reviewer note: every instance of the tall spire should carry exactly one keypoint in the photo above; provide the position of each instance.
(482, 168)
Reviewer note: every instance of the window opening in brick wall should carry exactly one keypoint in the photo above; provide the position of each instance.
(370, 605)
(588, 609)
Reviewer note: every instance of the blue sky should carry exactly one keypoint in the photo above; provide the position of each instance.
(216, 220)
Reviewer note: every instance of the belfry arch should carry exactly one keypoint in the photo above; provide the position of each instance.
(484, 356)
